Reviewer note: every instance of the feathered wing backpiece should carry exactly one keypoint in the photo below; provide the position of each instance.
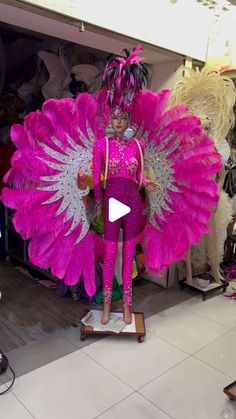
(183, 161)
(53, 145)
(207, 95)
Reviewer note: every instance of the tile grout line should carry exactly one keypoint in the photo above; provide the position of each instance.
(198, 350)
(47, 363)
(162, 373)
(213, 341)
(14, 395)
(191, 356)
(187, 353)
(214, 368)
(115, 404)
(105, 368)
(67, 340)
(169, 343)
(155, 405)
(207, 318)
(125, 398)
(159, 375)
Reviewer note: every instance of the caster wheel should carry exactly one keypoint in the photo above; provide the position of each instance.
(140, 339)
(82, 338)
(8, 259)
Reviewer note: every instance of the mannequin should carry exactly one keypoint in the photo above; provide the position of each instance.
(59, 142)
(118, 148)
(210, 97)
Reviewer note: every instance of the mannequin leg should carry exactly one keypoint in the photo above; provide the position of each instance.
(211, 245)
(131, 221)
(127, 268)
(188, 265)
(111, 250)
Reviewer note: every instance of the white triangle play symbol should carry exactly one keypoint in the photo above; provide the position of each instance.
(117, 210)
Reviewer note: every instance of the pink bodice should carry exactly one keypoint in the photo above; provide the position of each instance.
(124, 161)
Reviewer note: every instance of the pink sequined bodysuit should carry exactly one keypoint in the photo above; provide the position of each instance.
(123, 178)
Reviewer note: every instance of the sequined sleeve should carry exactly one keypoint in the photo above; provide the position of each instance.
(98, 165)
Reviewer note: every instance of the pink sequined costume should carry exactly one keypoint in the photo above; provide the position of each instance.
(55, 144)
(123, 179)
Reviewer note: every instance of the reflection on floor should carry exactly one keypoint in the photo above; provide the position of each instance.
(178, 372)
(29, 311)
(36, 325)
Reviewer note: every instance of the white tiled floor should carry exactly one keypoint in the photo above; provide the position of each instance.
(221, 353)
(11, 408)
(189, 390)
(185, 329)
(135, 364)
(219, 309)
(135, 406)
(179, 372)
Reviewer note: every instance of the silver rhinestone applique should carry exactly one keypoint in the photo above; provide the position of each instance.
(64, 184)
(156, 159)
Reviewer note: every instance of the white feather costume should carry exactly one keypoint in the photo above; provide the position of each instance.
(210, 96)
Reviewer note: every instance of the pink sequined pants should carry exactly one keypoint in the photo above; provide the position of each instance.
(130, 224)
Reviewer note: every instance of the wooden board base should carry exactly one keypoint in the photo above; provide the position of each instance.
(203, 290)
(230, 390)
(139, 333)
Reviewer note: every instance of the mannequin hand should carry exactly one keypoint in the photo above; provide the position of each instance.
(151, 186)
(97, 213)
(81, 180)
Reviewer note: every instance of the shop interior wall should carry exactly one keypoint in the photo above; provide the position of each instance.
(222, 41)
(165, 75)
(181, 26)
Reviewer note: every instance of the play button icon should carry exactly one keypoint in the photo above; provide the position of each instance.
(117, 209)
(124, 207)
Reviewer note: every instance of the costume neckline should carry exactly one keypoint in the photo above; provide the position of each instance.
(122, 139)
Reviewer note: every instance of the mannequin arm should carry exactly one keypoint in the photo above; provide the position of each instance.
(221, 178)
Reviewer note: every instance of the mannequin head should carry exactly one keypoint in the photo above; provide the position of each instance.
(206, 125)
(119, 122)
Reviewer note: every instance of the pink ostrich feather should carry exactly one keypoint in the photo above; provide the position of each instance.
(50, 246)
(194, 163)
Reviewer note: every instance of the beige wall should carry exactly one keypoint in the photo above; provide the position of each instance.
(182, 26)
(222, 40)
(164, 76)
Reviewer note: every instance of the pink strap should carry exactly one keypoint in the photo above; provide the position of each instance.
(141, 158)
(106, 163)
